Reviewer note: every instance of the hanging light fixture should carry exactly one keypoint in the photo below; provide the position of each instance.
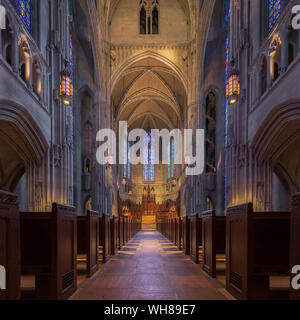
(66, 85)
(233, 87)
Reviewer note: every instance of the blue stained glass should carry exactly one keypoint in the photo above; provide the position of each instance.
(275, 7)
(24, 8)
(226, 108)
(171, 166)
(149, 169)
(126, 167)
(72, 77)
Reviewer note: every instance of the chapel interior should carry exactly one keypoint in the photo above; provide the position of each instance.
(72, 228)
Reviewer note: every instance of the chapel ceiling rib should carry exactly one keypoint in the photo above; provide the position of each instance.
(147, 88)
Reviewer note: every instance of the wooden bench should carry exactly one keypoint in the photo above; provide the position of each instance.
(295, 241)
(104, 238)
(121, 232)
(49, 249)
(257, 245)
(196, 238)
(10, 257)
(179, 233)
(87, 241)
(114, 235)
(186, 235)
(213, 240)
(173, 230)
(125, 234)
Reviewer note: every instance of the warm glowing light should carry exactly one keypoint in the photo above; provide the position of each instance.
(66, 86)
(233, 88)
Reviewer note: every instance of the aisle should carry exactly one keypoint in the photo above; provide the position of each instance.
(150, 267)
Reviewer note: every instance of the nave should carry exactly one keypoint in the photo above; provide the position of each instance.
(150, 267)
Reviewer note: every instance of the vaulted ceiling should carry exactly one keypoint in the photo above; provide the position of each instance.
(149, 94)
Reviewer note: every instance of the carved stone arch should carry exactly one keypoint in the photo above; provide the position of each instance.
(274, 132)
(18, 117)
(118, 73)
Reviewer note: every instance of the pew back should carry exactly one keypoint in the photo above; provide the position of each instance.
(213, 240)
(49, 249)
(88, 239)
(179, 233)
(105, 237)
(257, 244)
(10, 257)
(186, 235)
(196, 237)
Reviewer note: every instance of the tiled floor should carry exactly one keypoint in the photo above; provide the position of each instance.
(151, 268)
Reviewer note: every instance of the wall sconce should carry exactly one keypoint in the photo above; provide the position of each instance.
(233, 87)
(66, 86)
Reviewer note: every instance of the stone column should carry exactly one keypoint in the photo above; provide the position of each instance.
(15, 53)
(284, 51)
(269, 76)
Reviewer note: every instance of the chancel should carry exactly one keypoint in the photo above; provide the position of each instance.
(225, 72)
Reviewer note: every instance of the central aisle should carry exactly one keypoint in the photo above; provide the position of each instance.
(149, 267)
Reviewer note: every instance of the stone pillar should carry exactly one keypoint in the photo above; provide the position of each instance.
(269, 75)
(15, 53)
(284, 51)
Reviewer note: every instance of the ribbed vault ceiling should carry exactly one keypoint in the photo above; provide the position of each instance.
(149, 94)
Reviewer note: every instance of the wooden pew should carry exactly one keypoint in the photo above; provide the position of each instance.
(10, 257)
(257, 245)
(121, 232)
(295, 241)
(174, 230)
(88, 239)
(186, 235)
(213, 240)
(179, 233)
(105, 238)
(169, 229)
(196, 237)
(49, 250)
(114, 235)
(125, 230)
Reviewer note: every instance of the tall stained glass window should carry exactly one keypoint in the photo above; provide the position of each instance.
(24, 8)
(275, 7)
(227, 70)
(127, 167)
(171, 166)
(71, 109)
(149, 169)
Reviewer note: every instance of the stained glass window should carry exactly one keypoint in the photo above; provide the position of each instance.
(149, 169)
(126, 167)
(71, 110)
(171, 166)
(227, 69)
(24, 7)
(274, 7)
